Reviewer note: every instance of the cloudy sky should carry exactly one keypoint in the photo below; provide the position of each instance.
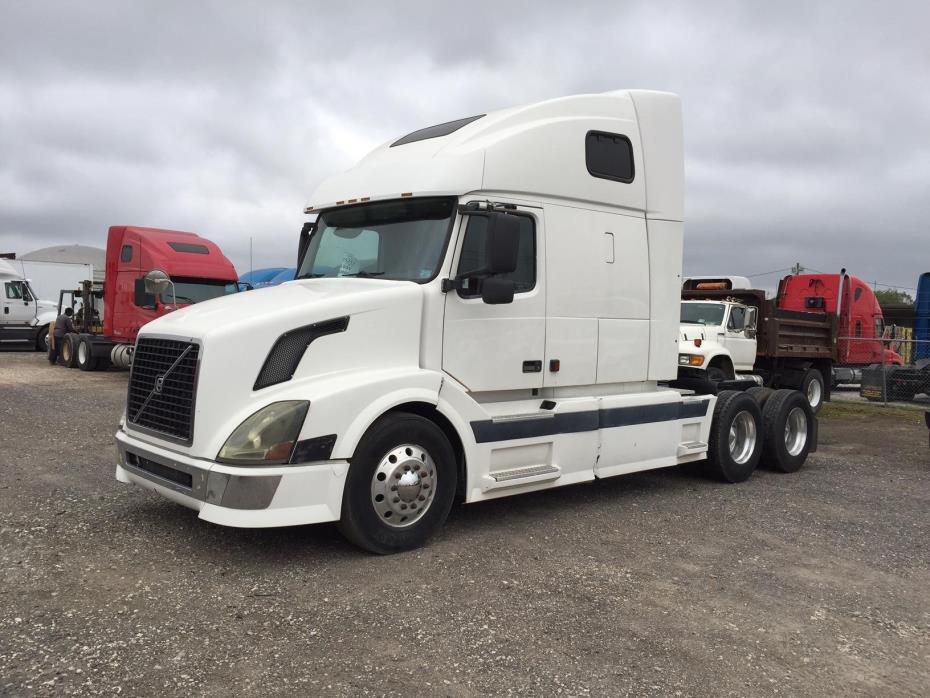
(807, 124)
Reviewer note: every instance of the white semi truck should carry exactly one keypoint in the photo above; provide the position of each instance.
(482, 308)
(25, 317)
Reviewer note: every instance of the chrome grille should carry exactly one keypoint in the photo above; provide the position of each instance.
(162, 387)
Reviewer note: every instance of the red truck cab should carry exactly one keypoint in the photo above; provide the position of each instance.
(198, 268)
(106, 332)
(861, 322)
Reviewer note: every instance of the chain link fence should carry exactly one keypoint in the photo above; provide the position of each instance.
(893, 369)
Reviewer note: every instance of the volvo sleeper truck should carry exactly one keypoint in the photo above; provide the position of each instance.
(107, 316)
(483, 308)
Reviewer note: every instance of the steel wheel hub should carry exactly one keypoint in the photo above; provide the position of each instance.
(796, 431)
(814, 393)
(742, 439)
(403, 485)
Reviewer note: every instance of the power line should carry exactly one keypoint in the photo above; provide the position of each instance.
(767, 273)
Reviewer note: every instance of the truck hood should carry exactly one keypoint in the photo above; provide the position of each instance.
(236, 334)
(278, 309)
(690, 332)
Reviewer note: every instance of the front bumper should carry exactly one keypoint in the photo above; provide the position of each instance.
(244, 497)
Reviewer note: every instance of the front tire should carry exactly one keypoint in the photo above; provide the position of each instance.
(400, 485)
(735, 444)
(42, 339)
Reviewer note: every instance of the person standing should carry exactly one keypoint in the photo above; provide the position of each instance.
(63, 326)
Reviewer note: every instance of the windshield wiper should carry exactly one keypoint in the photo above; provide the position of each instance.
(311, 276)
(364, 274)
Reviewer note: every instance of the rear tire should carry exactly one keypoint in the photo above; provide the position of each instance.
(413, 453)
(84, 355)
(735, 444)
(788, 429)
(760, 394)
(814, 389)
(69, 350)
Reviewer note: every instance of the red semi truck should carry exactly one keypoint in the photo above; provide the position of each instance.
(107, 318)
(860, 320)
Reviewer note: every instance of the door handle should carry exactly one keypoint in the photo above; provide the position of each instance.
(532, 366)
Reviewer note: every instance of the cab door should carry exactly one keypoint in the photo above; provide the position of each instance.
(742, 348)
(18, 304)
(497, 347)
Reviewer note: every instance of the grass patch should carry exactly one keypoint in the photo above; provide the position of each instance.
(844, 410)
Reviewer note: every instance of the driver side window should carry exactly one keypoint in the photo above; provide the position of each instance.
(472, 256)
(14, 291)
(737, 320)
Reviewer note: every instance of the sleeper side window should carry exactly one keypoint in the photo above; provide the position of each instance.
(125, 254)
(609, 156)
(473, 255)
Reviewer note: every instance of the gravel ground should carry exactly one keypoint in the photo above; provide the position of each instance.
(655, 584)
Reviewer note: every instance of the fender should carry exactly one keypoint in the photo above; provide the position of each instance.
(46, 317)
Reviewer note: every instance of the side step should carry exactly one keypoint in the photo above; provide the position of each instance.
(691, 448)
(521, 476)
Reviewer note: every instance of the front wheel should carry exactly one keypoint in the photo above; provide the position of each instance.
(735, 444)
(400, 485)
(42, 343)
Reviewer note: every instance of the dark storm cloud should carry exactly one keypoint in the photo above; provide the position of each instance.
(805, 122)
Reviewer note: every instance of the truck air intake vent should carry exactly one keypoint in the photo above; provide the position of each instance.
(162, 387)
(287, 352)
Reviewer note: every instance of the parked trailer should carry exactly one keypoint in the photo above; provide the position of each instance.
(109, 315)
(484, 308)
(730, 332)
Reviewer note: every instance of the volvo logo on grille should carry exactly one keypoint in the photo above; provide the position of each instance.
(159, 384)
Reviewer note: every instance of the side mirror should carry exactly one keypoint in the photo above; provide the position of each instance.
(497, 291)
(143, 299)
(503, 243)
(752, 321)
(158, 282)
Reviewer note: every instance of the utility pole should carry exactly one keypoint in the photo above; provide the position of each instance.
(797, 268)
(250, 256)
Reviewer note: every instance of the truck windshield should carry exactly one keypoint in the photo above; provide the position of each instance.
(702, 313)
(199, 290)
(402, 240)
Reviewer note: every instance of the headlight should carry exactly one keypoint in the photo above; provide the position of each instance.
(690, 360)
(267, 437)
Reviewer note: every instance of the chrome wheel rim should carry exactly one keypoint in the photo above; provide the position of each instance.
(743, 437)
(403, 485)
(82, 353)
(796, 431)
(814, 393)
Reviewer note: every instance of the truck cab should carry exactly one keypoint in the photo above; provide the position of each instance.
(482, 308)
(25, 318)
(718, 339)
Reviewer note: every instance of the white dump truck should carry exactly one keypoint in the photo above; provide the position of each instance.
(731, 331)
(482, 308)
(25, 318)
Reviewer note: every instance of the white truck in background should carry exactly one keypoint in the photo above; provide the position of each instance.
(731, 331)
(482, 308)
(26, 316)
